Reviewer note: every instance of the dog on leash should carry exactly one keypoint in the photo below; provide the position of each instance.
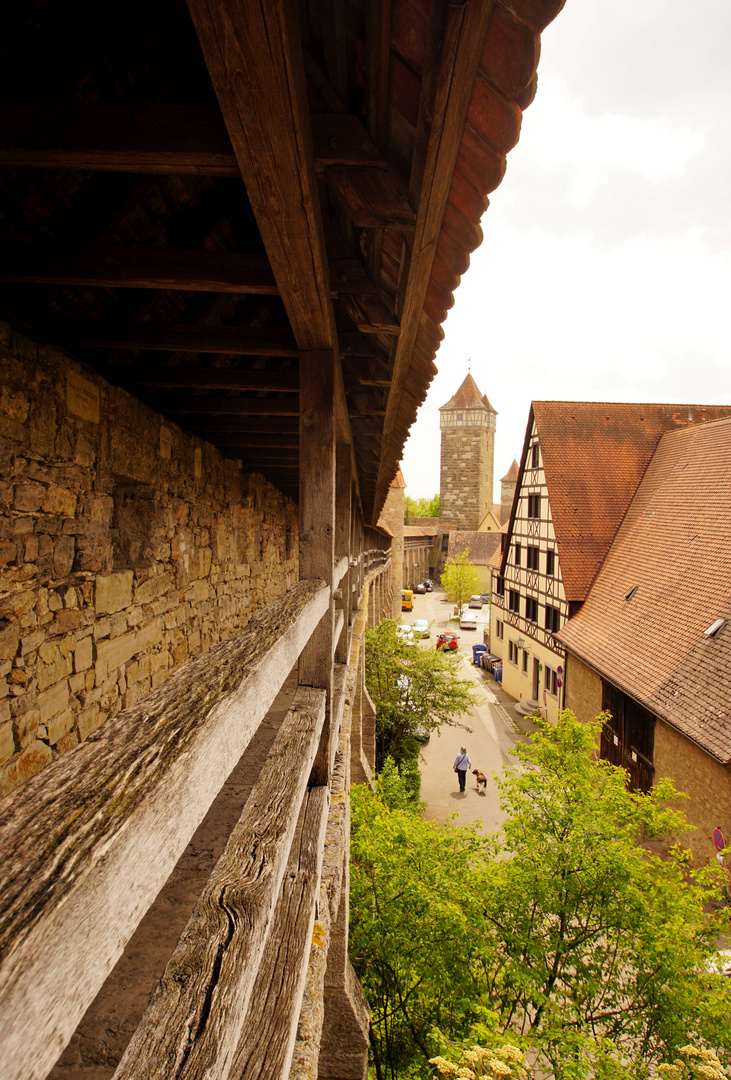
(481, 780)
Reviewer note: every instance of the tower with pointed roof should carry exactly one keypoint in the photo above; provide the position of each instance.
(467, 423)
(507, 491)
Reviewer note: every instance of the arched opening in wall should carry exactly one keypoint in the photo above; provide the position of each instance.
(134, 504)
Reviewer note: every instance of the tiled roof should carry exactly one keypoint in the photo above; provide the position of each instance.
(468, 397)
(481, 545)
(512, 473)
(594, 456)
(419, 530)
(674, 547)
(398, 480)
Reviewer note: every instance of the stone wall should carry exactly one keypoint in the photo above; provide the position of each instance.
(126, 548)
(705, 781)
(583, 690)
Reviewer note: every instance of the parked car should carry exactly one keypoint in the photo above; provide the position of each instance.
(485, 597)
(468, 620)
(476, 601)
(428, 584)
(405, 634)
(419, 589)
(422, 628)
(447, 640)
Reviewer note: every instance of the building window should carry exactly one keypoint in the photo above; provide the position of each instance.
(514, 601)
(531, 609)
(459, 415)
(534, 506)
(517, 554)
(553, 619)
(551, 682)
(500, 586)
(499, 629)
(525, 661)
(459, 444)
(512, 652)
(534, 456)
(550, 563)
(531, 557)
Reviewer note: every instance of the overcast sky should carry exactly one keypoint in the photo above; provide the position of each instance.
(605, 269)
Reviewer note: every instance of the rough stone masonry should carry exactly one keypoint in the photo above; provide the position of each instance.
(127, 547)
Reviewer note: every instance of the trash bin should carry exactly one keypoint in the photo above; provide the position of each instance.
(476, 651)
(497, 670)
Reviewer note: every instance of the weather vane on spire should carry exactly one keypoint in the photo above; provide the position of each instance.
(469, 364)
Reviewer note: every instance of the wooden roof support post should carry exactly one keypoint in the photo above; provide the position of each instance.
(343, 486)
(317, 529)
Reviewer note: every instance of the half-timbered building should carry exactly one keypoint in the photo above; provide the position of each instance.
(229, 235)
(650, 644)
(579, 470)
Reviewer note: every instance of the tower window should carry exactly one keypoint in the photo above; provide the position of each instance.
(459, 415)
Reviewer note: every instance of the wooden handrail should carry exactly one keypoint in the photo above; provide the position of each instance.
(86, 845)
(193, 1025)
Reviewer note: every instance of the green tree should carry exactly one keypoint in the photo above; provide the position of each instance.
(420, 508)
(460, 579)
(415, 691)
(591, 950)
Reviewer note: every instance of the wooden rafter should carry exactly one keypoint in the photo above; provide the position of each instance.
(253, 54)
(463, 36)
(168, 337)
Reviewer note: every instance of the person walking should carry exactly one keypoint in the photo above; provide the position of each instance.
(461, 764)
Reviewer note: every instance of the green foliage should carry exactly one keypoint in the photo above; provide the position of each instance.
(414, 508)
(588, 947)
(413, 689)
(460, 579)
(411, 917)
(399, 787)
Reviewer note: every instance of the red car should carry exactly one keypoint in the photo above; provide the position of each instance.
(447, 641)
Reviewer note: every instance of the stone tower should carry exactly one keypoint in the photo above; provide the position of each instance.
(467, 422)
(507, 491)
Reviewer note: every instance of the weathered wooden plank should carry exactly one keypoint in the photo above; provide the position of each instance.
(341, 139)
(371, 314)
(317, 518)
(209, 378)
(253, 53)
(138, 268)
(234, 406)
(193, 1024)
(86, 845)
(269, 1031)
(371, 198)
(206, 428)
(117, 137)
(458, 34)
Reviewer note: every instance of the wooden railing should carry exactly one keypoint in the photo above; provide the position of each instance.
(87, 844)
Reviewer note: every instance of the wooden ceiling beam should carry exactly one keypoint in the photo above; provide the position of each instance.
(241, 426)
(254, 57)
(456, 39)
(138, 268)
(207, 378)
(272, 440)
(238, 406)
(150, 139)
(175, 337)
(117, 138)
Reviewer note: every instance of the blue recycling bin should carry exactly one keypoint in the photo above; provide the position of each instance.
(476, 651)
(497, 670)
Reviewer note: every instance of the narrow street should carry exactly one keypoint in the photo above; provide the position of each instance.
(496, 728)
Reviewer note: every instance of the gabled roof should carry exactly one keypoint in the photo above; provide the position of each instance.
(468, 397)
(398, 480)
(674, 549)
(512, 473)
(416, 531)
(481, 545)
(594, 455)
